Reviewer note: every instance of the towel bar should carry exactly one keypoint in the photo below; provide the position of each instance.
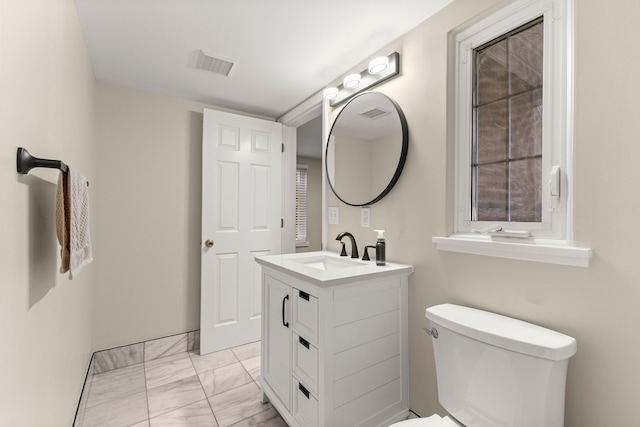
(25, 162)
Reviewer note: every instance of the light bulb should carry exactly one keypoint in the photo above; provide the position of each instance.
(378, 65)
(351, 81)
(330, 93)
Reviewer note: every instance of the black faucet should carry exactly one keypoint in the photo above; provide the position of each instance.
(354, 247)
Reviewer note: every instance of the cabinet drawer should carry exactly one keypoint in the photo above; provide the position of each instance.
(305, 362)
(305, 315)
(305, 406)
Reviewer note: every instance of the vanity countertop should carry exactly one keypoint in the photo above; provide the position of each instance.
(326, 269)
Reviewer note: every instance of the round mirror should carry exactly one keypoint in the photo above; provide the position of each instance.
(367, 149)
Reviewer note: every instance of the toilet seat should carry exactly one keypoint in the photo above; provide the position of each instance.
(434, 420)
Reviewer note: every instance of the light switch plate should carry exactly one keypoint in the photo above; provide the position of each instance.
(365, 217)
(334, 215)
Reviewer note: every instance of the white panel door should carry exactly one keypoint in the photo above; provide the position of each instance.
(241, 219)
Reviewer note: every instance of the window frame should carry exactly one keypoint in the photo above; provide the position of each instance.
(555, 229)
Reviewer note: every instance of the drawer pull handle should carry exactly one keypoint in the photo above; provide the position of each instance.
(303, 295)
(284, 322)
(303, 342)
(303, 390)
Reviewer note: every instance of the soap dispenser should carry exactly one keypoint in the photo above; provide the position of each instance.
(380, 248)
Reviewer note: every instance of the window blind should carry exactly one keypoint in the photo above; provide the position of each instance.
(301, 203)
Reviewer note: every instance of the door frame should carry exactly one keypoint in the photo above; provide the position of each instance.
(313, 107)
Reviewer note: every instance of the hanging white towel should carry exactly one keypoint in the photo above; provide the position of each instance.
(72, 222)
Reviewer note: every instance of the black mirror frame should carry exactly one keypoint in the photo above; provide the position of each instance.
(401, 161)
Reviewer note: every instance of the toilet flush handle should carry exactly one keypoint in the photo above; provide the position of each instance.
(433, 332)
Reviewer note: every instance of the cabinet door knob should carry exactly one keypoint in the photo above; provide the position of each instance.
(208, 243)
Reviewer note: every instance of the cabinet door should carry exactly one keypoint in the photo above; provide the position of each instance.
(276, 368)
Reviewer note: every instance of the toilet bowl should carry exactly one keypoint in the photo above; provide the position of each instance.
(494, 370)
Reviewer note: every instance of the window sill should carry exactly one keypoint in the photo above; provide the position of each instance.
(302, 244)
(539, 251)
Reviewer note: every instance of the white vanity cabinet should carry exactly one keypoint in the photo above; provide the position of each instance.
(334, 349)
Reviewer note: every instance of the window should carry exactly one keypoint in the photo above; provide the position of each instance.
(513, 135)
(301, 206)
(506, 162)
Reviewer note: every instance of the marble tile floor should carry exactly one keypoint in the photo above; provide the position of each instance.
(184, 389)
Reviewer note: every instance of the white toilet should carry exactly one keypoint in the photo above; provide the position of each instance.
(495, 371)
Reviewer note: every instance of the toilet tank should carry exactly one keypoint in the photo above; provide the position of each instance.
(495, 371)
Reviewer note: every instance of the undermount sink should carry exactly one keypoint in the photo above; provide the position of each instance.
(324, 262)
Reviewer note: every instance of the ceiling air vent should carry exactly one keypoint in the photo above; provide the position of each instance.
(374, 112)
(214, 64)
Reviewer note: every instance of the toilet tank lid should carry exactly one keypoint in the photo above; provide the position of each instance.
(502, 331)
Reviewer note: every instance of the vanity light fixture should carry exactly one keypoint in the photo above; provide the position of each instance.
(330, 93)
(351, 81)
(379, 70)
(378, 65)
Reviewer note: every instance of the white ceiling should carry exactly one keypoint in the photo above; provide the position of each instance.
(286, 50)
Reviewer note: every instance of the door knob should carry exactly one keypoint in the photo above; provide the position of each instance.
(208, 243)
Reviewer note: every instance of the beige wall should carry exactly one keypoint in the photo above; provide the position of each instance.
(46, 106)
(314, 203)
(149, 166)
(352, 179)
(596, 305)
(371, 166)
